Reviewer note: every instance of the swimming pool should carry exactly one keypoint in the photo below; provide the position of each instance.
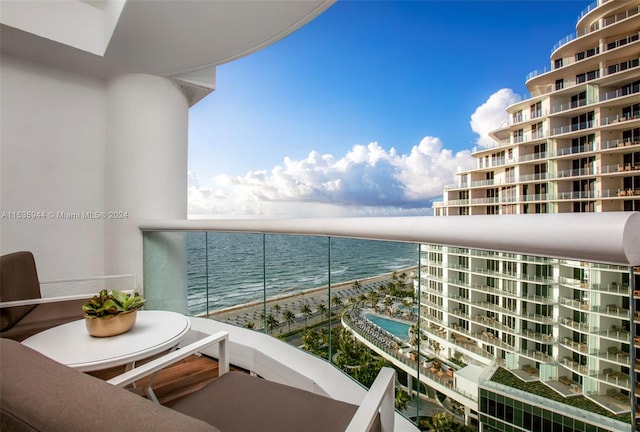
(396, 328)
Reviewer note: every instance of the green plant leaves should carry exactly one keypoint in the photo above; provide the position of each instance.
(112, 303)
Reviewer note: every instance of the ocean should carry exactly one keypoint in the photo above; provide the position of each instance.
(236, 265)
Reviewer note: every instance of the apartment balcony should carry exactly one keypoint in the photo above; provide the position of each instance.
(489, 322)
(536, 355)
(619, 118)
(579, 326)
(489, 338)
(575, 127)
(471, 346)
(555, 109)
(615, 332)
(574, 283)
(618, 143)
(614, 377)
(527, 244)
(574, 366)
(537, 318)
(542, 338)
(568, 151)
(578, 347)
(619, 93)
(565, 386)
(612, 310)
(615, 355)
(543, 300)
(575, 304)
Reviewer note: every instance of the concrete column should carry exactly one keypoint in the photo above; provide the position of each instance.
(146, 178)
(410, 384)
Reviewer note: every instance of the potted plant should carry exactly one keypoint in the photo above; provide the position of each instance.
(111, 313)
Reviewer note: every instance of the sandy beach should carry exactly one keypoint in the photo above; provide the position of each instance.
(252, 312)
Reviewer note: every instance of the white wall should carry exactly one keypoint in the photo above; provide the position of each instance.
(52, 141)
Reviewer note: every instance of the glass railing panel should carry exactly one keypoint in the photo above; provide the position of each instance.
(460, 307)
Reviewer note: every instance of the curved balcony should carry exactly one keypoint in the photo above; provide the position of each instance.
(522, 243)
(578, 347)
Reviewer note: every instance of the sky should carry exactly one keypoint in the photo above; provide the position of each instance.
(368, 110)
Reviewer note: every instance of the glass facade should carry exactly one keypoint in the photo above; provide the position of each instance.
(504, 414)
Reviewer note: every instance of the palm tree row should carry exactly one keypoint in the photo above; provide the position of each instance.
(273, 322)
(351, 356)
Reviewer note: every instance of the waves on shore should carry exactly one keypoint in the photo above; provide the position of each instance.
(233, 269)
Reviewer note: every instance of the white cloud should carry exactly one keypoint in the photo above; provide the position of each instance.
(368, 180)
(491, 115)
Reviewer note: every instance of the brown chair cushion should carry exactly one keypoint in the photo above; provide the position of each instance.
(38, 394)
(18, 281)
(239, 402)
(43, 317)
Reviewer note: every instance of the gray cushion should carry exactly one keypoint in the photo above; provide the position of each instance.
(237, 402)
(38, 394)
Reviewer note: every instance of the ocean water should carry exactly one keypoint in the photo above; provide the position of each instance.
(240, 267)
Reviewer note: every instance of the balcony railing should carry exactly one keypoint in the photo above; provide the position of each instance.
(244, 268)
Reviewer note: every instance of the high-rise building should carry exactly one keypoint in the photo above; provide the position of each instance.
(572, 145)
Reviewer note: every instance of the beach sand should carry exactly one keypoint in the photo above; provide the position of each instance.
(252, 312)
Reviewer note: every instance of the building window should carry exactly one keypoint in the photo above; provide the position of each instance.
(517, 136)
(517, 117)
(587, 76)
(631, 111)
(536, 110)
(541, 208)
(583, 121)
(579, 100)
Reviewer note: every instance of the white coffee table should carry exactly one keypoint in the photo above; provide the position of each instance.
(71, 344)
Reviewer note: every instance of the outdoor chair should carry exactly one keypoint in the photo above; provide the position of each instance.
(24, 312)
(39, 394)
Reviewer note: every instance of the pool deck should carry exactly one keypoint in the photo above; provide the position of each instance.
(390, 318)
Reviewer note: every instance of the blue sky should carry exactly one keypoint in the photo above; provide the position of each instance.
(368, 109)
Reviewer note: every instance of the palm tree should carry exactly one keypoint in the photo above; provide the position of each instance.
(362, 297)
(374, 297)
(306, 312)
(272, 323)
(388, 301)
(438, 422)
(276, 307)
(322, 308)
(402, 400)
(289, 318)
(356, 285)
(336, 301)
(249, 325)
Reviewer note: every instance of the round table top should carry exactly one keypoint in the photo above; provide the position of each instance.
(71, 344)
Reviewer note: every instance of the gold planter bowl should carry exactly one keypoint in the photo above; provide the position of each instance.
(111, 325)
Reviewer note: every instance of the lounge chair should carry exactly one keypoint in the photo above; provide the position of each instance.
(38, 394)
(19, 284)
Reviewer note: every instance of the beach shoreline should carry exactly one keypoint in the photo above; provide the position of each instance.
(252, 311)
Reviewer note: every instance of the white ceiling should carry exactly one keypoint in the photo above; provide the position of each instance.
(167, 38)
